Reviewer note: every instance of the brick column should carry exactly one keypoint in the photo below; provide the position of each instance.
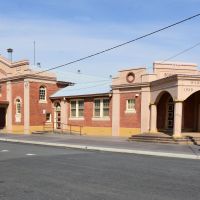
(26, 107)
(153, 120)
(63, 105)
(9, 109)
(178, 107)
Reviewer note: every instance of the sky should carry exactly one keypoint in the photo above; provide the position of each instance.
(66, 30)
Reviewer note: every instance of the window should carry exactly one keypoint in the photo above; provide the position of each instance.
(77, 108)
(73, 108)
(42, 93)
(48, 117)
(80, 108)
(18, 106)
(18, 110)
(101, 108)
(130, 106)
(97, 108)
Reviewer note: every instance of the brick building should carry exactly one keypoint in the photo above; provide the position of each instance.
(24, 96)
(135, 101)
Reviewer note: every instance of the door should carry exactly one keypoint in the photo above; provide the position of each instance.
(170, 115)
(2, 117)
(58, 119)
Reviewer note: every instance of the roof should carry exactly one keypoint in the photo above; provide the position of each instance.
(85, 85)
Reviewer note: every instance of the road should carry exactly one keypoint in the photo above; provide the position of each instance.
(29, 172)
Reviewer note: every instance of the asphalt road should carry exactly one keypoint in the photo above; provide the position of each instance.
(29, 172)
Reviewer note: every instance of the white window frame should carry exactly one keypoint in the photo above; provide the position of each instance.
(101, 117)
(48, 121)
(77, 116)
(128, 109)
(45, 95)
(18, 110)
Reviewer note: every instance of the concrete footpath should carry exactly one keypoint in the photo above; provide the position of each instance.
(107, 144)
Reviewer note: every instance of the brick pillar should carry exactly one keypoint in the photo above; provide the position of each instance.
(9, 109)
(26, 108)
(153, 120)
(178, 107)
(63, 105)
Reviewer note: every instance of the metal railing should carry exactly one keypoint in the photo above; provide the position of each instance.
(59, 127)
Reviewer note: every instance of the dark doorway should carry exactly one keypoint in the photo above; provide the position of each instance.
(191, 113)
(165, 113)
(2, 117)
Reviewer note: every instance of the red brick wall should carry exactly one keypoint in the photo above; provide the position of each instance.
(88, 115)
(130, 120)
(3, 92)
(17, 91)
(37, 118)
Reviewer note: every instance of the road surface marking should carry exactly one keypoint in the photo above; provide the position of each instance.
(4, 150)
(30, 154)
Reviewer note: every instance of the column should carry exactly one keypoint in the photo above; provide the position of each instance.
(116, 113)
(63, 105)
(145, 110)
(178, 107)
(9, 109)
(153, 121)
(26, 108)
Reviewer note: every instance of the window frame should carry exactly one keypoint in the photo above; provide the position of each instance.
(128, 106)
(101, 109)
(18, 106)
(48, 121)
(77, 109)
(42, 88)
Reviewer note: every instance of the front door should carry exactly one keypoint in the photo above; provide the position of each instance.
(58, 119)
(170, 114)
(2, 117)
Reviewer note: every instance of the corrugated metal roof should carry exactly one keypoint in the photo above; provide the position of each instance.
(84, 85)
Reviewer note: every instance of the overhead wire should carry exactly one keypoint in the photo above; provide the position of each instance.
(114, 47)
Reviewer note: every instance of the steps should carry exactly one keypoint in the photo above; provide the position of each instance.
(157, 138)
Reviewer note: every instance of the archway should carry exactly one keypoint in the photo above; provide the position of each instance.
(165, 113)
(191, 113)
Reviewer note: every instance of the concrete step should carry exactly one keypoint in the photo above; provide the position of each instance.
(157, 139)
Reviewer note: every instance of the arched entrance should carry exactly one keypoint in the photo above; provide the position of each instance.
(165, 113)
(191, 113)
(57, 116)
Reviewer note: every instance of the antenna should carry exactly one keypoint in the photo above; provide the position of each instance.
(34, 52)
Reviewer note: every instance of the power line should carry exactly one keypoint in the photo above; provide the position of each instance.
(181, 52)
(119, 45)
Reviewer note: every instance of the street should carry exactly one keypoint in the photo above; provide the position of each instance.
(46, 173)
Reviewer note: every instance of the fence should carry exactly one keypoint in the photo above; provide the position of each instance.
(62, 128)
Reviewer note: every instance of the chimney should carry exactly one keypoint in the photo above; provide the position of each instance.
(10, 51)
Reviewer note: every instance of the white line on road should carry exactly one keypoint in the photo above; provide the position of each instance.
(4, 150)
(30, 154)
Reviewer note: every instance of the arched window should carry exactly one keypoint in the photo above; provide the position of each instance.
(42, 93)
(18, 106)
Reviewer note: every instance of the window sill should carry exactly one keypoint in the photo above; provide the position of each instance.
(130, 111)
(101, 118)
(42, 101)
(76, 118)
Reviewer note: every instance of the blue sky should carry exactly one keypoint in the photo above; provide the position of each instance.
(65, 30)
